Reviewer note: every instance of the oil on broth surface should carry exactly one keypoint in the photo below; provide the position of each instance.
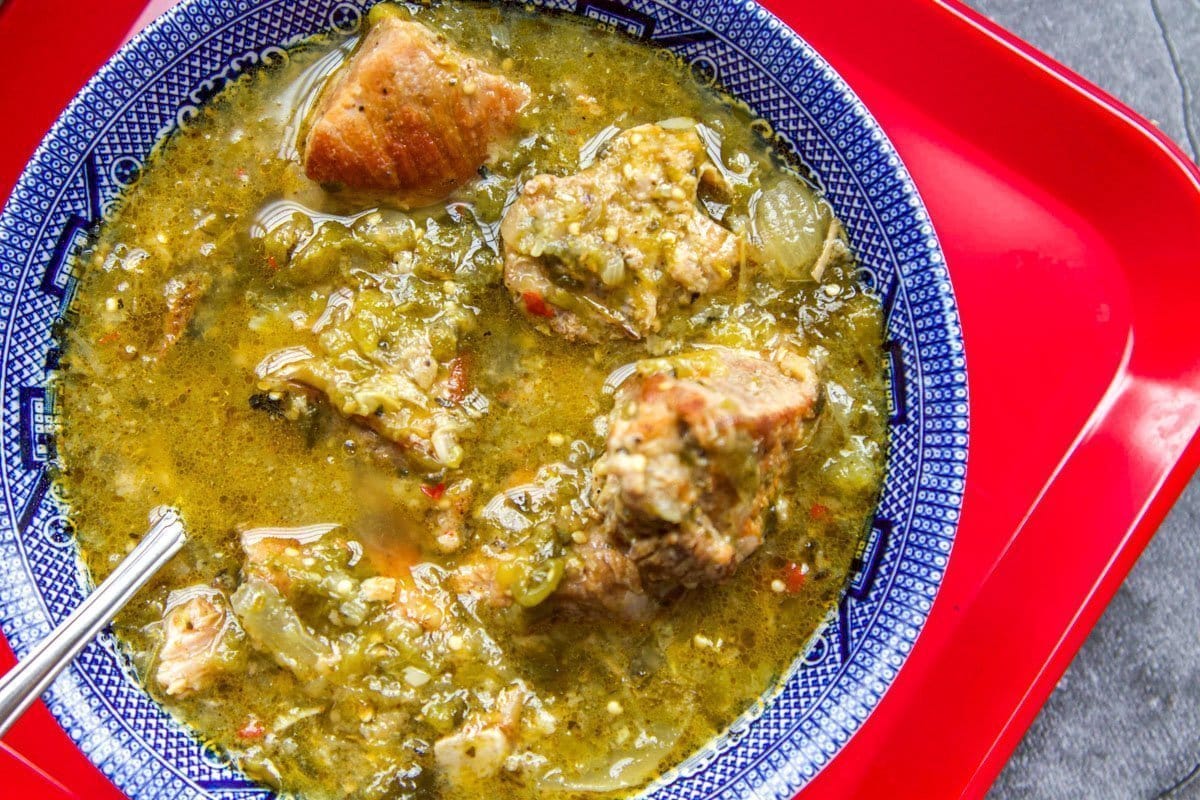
(150, 416)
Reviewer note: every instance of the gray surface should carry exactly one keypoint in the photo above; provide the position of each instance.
(1124, 723)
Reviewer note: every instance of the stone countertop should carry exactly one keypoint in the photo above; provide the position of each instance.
(1124, 722)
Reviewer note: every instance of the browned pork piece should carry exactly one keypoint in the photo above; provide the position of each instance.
(602, 253)
(697, 447)
(410, 115)
(198, 640)
(600, 574)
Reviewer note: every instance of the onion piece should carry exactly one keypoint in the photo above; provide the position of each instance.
(275, 628)
(791, 224)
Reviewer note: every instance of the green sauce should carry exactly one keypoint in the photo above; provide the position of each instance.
(188, 424)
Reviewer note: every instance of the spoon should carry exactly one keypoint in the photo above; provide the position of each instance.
(25, 682)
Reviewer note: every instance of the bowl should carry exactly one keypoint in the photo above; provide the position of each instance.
(161, 78)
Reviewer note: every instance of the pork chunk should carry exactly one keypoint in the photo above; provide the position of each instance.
(409, 115)
(603, 253)
(478, 749)
(697, 447)
(599, 574)
(198, 640)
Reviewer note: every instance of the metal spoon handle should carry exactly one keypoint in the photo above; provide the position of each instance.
(27, 681)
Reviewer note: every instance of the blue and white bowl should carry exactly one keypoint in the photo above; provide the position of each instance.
(162, 76)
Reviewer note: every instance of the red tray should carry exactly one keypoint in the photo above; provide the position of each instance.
(1072, 232)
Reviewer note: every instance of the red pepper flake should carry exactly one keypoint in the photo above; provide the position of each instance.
(241, 173)
(273, 264)
(433, 492)
(536, 305)
(456, 382)
(253, 729)
(109, 337)
(794, 576)
(819, 511)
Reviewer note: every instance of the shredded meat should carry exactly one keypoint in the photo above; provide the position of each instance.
(195, 646)
(183, 295)
(448, 520)
(475, 582)
(602, 253)
(409, 114)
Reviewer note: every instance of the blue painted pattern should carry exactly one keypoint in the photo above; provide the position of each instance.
(158, 81)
